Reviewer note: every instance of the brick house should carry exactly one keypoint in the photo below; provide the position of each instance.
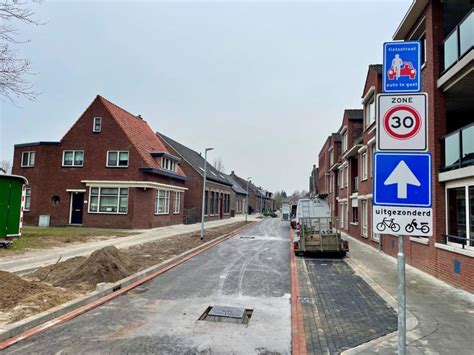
(259, 199)
(329, 158)
(447, 77)
(238, 197)
(109, 170)
(218, 188)
(313, 181)
(350, 133)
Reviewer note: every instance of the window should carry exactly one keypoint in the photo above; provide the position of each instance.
(363, 162)
(211, 204)
(330, 184)
(341, 178)
(176, 202)
(117, 159)
(206, 203)
(168, 164)
(73, 158)
(460, 209)
(341, 221)
(355, 215)
(345, 176)
(162, 202)
(27, 199)
(370, 111)
(364, 218)
(108, 200)
(216, 203)
(371, 149)
(331, 157)
(28, 159)
(97, 127)
(344, 141)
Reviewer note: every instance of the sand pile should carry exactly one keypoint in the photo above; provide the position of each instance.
(105, 265)
(20, 298)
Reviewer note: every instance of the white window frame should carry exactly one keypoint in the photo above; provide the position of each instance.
(346, 176)
(118, 159)
(94, 124)
(364, 165)
(30, 160)
(341, 222)
(367, 111)
(168, 164)
(27, 206)
(463, 184)
(177, 202)
(100, 195)
(344, 141)
(365, 219)
(166, 199)
(73, 158)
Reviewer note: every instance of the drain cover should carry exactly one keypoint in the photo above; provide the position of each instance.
(227, 314)
(304, 300)
(226, 311)
(247, 237)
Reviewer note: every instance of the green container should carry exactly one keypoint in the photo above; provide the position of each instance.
(12, 202)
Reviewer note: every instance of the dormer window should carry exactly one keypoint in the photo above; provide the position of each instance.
(169, 164)
(97, 125)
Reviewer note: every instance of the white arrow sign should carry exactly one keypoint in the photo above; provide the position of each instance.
(402, 176)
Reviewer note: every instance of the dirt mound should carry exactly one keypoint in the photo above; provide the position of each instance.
(105, 265)
(20, 298)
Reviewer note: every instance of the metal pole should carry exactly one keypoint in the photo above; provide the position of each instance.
(401, 298)
(247, 200)
(204, 192)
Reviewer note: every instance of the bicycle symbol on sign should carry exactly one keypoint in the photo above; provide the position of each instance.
(388, 223)
(413, 225)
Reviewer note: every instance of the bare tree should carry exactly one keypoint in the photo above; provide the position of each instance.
(5, 166)
(219, 165)
(14, 71)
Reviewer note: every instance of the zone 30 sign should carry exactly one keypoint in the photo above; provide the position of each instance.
(401, 122)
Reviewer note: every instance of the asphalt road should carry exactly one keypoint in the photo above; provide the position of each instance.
(250, 270)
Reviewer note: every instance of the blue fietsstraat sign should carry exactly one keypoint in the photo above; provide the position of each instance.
(402, 66)
(402, 179)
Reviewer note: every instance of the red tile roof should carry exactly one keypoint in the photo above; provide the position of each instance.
(139, 133)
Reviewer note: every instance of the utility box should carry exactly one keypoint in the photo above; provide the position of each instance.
(12, 203)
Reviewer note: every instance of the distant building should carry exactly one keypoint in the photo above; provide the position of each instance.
(218, 188)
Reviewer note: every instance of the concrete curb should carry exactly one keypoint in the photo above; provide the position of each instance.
(411, 322)
(25, 328)
(298, 336)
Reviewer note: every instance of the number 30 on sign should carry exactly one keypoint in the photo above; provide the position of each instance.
(401, 122)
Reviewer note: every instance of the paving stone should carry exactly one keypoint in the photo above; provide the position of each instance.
(343, 310)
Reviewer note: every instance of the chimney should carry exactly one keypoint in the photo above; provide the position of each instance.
(140, 117)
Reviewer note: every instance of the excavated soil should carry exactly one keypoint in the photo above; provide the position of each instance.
(50, 286)
(20, 298)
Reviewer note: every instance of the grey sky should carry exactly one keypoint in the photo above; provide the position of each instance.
(264, 83)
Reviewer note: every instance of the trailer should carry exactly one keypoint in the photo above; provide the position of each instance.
(12, 204)
(316, 231)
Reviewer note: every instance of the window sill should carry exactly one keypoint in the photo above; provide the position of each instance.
(354, 223)
(72, 166)
(364, 236)
(424, 241)
(27, 166)
(111, 213)
(117, 167)
(455, 249)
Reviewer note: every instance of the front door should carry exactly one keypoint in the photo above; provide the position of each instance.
(77, 205)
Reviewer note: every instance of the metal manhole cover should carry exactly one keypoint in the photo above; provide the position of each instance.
(226, 311)
(227, 314)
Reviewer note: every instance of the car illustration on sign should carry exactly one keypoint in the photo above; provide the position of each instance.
(406, 70)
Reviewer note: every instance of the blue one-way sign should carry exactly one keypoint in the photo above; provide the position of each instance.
(402, 179)
(401, 66)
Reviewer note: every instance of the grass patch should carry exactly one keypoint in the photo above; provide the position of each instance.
(40, 237)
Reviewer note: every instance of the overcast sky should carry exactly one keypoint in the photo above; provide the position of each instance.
(264, 83)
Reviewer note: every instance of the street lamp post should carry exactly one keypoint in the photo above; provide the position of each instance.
(247, 199)
(204, 192)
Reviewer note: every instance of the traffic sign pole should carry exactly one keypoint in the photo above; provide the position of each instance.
(402, 328)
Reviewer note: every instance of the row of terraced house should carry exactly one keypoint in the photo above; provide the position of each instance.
(446, 31)
(112, 170)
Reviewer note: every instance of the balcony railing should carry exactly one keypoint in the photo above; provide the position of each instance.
(459, 41)
(459, 148)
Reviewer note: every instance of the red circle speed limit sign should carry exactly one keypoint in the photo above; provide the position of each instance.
(402, 122)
